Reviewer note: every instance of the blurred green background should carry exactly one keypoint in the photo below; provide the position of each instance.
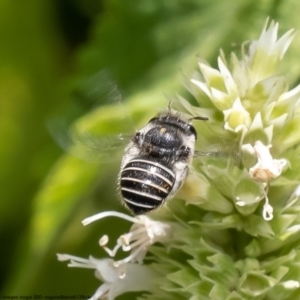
(62, 58)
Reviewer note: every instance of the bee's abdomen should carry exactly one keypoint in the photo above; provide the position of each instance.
(145, 185)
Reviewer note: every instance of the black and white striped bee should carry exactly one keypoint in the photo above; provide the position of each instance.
(157, 161)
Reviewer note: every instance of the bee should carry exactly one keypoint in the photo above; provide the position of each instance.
(157, 161)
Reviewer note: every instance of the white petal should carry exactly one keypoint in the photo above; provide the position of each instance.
(256, 123)
(263, 153)
(209, 72)
(106, 269)
(291, 284)
(248, 148)
(267, 212)
(295, 92)
(202, 86)
(284, 42)
(228, 79)
(297, 191)
(138, 278)
(76, 261)
(266, 168)
(101, 291)
(118, 278)
(105, 214)
(269, 132)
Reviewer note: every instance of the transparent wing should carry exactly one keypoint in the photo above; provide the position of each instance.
(226, 152)
(103, 131)
(92, 147)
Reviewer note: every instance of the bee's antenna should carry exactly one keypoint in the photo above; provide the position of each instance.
(198, 118)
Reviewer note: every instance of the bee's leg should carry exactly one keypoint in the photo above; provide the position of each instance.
(180, 174)
(183, 154)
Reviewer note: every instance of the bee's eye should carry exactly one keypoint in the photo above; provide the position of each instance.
(193, 131)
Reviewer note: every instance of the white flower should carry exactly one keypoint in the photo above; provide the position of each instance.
(219, 85)
(236, 118)
(257, 124)
(259, 63)
(125, 275)
(297, 191)
(291, 284)
(264, 170)
(269, 43)
(264, 55)
(143, 233)
(266, 167)
(117, 278)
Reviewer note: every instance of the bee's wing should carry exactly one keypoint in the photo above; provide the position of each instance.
(98, 148)
(103, 131)
(92, 147)
(228, 153)
(209, 153)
